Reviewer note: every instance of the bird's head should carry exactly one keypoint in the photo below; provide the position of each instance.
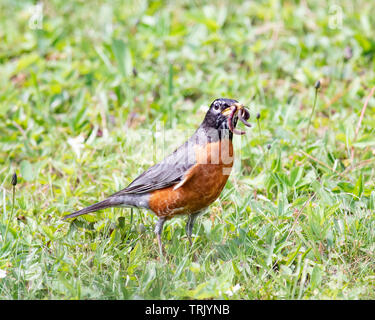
(223, 114)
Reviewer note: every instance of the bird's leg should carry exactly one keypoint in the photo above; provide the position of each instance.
(190, 224)
(158, 231)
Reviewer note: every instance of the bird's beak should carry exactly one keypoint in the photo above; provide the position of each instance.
(227, 111)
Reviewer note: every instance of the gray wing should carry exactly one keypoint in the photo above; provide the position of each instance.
(164, 174)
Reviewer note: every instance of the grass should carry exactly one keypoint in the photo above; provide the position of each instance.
(83, 98)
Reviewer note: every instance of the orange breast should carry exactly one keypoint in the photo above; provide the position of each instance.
(202, 185)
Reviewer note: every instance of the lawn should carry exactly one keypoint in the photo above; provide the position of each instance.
(94, 92)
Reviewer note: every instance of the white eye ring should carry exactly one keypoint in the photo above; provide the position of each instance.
(216, 106)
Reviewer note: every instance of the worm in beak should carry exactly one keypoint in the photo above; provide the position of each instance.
(243, 115)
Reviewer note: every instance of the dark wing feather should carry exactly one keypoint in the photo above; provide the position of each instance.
(164, 174)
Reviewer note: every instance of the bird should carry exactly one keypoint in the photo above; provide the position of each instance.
(188, 180)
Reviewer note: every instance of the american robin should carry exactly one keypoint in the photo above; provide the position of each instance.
(191, 178)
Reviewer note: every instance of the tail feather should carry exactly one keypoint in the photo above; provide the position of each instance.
(127, 200)
(95, 207)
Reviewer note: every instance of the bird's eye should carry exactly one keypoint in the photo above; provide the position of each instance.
(217, 106)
